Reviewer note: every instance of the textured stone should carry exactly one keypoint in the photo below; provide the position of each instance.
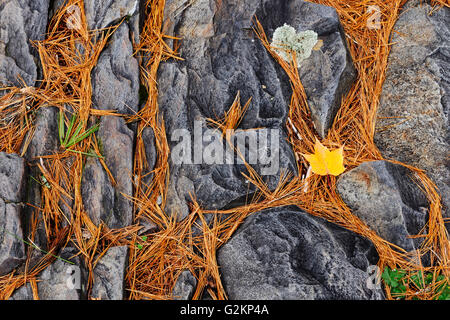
(115, 78)
(103, 13)
(109, 274)
(44, 142)
(103, 201)
(386, 198)
(148, 137)
(223, 57)
(23, 293)
(20, 22)
(413, 113)
(12, 251)
(219, 184)
(115, 83)
(61, 280)
(210, 48)
(97, 192)
(12, 175)
(45, 137)
(283, 253)
(185, 286)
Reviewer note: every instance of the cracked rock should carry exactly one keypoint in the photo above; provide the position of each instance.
(45, 138)
(102, 13)
(223, 57)
(328, 74)
(20, 22)
(97, 192)
(62, 280)
(23, 293)
(286, 254)
(12, 251)
(12, 176)
(185, 286)
(44, 142)
(412, 124)
(387, 199)
(109, 274)
(148, 138)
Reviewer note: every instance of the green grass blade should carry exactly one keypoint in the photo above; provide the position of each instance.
(61, 126)
(36, 247)
(73, 139)
(76, 139)
(72, 122)
(37, 181)
(90, 154)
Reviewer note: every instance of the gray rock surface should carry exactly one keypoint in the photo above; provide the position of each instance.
(12, 175)
(109, 274)
(12, 251)
(284, 253)
(20, 22)
(62, 280)
(115, 83)
(148, 138)
(281, 253)
(12, 178)
(103, 13)
(211, 45)
(44, 142)
(97, 192)
(115, 78)
(23, 293)
(45, 138)
(103, 201)
(217, 185)
(185, 286)
(386, 198)
(118, 144)
(59, 281)
(413, 113)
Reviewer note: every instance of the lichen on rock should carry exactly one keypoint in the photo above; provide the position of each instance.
(286, 39)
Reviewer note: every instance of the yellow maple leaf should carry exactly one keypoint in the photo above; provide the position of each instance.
(324, 161)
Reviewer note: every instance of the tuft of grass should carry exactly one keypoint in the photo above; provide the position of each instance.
(400, 282)
(31, 244)
(67, 138)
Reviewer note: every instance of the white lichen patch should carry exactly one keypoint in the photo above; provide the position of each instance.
(286, 39)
